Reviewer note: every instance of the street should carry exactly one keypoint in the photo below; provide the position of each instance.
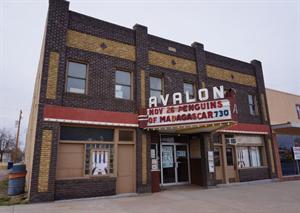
(264, 197)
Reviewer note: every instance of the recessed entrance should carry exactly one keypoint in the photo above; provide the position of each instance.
(174, 163)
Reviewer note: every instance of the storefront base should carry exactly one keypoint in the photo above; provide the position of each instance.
(83, 188)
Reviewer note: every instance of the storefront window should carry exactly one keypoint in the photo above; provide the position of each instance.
(86, 134)
(125, 135)
(289, 165)
(248, 157)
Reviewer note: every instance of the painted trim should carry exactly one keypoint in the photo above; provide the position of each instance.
(89, 122)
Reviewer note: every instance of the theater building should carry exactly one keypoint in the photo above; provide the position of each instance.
(284, 111)
(118, 110)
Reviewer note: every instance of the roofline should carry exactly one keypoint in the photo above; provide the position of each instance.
(279, 91)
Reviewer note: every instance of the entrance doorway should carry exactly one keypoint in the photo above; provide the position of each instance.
(174, 163)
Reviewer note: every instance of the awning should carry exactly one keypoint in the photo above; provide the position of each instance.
(88, 116)
(244, 128)
(287, 128)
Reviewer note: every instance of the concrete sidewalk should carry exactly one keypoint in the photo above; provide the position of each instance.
(281, 197)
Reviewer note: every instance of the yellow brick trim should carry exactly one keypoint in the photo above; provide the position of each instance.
(92, 43)
(52, 75)
(231, 76)
(164, 60)
(143, 89)
(45, 161)
(144, 159)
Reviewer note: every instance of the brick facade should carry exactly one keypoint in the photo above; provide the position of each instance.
(106, 47)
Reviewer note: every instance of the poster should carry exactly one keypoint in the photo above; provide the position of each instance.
(211, 165)
(181, 153)
(296, 151)
(167, 156)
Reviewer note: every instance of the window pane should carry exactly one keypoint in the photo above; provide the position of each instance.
(190, 88)
(229, 156)
(122, 92)
(250, 99)
(156, 94)
(86, 134)
(155, 83)
(217, 158)
(243, 157)
(125, 135)
(76, 85)
(123, 78)
(77, 70)
(254, 156)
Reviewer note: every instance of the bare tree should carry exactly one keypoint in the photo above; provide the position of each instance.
(7, 142)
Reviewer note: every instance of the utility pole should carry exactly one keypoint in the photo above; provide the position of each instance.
(17, 137)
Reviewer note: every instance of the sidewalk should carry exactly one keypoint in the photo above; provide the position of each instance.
(264, 198)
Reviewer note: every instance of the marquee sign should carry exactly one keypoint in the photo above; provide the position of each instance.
(200, 109)
(199, 112)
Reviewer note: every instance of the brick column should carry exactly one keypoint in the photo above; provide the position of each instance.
(42, 187)
(200, 62)
(143, 165)
(265, 118)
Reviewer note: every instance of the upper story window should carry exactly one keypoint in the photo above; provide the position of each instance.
(252, 104)
(76, 77)
(188, 87)
(298, 110)
(156, 88)
(123, 85)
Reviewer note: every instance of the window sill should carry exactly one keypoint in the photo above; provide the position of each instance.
(259, 167)
(76, 94)
(123, 99)
(88, 177)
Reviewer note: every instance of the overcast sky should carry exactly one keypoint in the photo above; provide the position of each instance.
(268, 31)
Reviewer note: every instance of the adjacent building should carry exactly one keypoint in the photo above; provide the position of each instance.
(118, 110)
(284, 111)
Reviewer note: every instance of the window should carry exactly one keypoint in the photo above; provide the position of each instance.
(86, 134)
(248, 157)
(76, 78)
(156, 88)
(229, 156)
(125, 135)
(123, 85)
(252, 105)
(298, 110)
(217, 157)
(188, 87)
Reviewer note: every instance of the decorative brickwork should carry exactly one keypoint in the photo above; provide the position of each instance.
(52, 75)
(172, 62)
(100, 45)
(45, 161)
(231, 76)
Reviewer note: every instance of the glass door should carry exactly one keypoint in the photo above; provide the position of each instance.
(182, 163)
(168, 164)
(175, 165)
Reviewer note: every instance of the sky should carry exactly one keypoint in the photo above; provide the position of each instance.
(265, 30)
